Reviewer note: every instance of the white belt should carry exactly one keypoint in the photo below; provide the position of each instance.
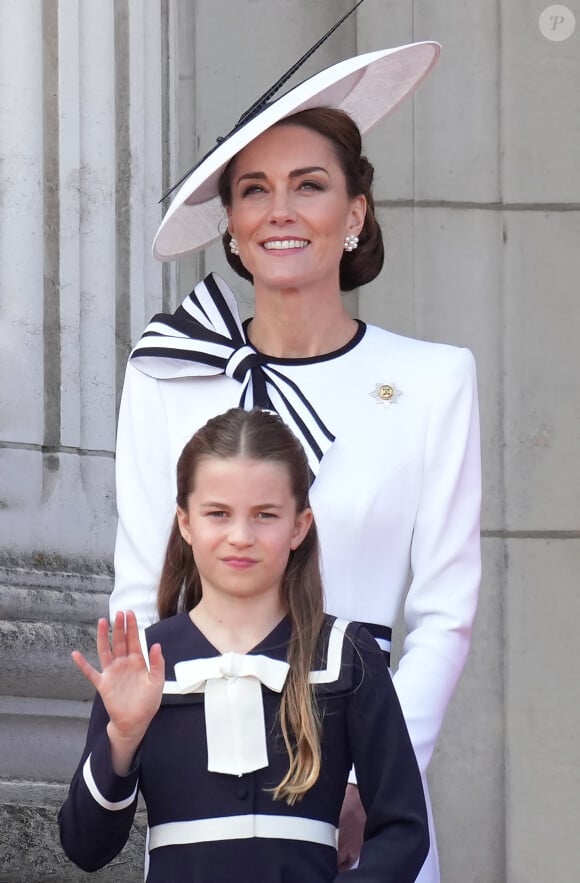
(240, 828)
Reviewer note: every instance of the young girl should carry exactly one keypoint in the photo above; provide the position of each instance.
(241, 721)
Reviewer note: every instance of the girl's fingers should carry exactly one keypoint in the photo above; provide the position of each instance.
(90, 673)
(157, 663)
(119, 640)
(133, 642)
(103, 646)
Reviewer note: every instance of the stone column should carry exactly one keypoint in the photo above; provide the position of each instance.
(86, 141)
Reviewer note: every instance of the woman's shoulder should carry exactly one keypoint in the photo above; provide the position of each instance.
(423, 362)
(382, 339)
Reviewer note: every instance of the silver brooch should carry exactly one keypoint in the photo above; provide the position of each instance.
(386, 394)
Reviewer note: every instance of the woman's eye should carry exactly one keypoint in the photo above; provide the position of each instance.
(253, 188)
(310, 185)
(266, 516)
(216, 513)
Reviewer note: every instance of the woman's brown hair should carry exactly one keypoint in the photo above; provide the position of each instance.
(365, 263)
(261, 435)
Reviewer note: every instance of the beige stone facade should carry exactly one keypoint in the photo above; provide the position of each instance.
(478, 187)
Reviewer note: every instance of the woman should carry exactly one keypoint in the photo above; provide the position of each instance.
(390, 424)
(242, 734)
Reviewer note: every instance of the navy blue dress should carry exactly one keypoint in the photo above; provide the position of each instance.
(212, 827)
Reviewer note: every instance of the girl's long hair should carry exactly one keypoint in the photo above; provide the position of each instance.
(262, 435)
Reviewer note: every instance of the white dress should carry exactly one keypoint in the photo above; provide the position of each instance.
(396, 498)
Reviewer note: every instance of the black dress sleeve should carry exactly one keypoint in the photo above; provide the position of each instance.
(96, 818)
(396, 837)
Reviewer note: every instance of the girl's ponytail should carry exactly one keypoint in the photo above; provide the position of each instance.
(179, 585)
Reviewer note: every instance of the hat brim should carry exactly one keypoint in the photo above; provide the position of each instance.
(367, 87)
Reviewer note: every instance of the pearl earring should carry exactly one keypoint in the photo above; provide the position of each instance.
(350, 242)
(234, 248)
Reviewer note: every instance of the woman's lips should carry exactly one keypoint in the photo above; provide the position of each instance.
(284, 244)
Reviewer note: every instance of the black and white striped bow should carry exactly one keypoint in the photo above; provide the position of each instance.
(205, 337)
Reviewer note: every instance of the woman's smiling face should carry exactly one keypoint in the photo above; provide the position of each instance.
(290, 210)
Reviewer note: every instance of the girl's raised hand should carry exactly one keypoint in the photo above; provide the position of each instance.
(131, 693)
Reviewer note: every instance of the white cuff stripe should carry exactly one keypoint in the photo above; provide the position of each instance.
(241, 828)
(98, 797)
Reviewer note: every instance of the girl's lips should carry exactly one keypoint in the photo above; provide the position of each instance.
(239, 563)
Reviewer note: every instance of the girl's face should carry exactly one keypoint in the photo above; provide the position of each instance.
(290, 209)
(241, 523)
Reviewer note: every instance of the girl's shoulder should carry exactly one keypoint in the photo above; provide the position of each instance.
(165, 629)
(179, 640)
(345, 650)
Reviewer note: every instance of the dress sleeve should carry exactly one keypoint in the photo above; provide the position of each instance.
(145, 497)
(445, 556)
(396, 837)
(96, 818)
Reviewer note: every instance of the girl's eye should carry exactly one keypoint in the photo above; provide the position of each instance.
(216, 513)
(266, 516)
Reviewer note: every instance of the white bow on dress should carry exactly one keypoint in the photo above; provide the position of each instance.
(234, 708)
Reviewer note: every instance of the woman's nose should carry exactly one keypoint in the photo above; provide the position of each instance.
(282, 208)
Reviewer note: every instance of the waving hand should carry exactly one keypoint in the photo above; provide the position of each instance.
(131, 693)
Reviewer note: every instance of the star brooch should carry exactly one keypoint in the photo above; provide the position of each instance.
(386, 394)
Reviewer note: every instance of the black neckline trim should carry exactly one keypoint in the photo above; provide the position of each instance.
(276, 638)
(312, 360)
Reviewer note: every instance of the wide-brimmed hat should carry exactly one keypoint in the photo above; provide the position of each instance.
(367, 87)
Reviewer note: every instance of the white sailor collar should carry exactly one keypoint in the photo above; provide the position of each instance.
(232, 685)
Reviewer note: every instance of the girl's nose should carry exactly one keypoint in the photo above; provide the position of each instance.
(240, 534)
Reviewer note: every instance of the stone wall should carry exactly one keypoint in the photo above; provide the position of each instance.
(86, 136)
(101, 104)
